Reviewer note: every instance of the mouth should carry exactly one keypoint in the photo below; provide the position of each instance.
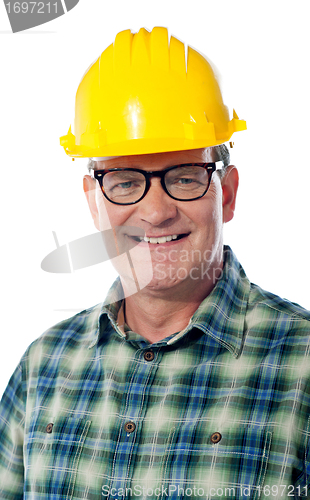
(160, 239)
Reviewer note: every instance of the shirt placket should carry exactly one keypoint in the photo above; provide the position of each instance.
(133, 409)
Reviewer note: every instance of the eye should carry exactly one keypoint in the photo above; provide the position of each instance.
(185, 180)
(123, 185)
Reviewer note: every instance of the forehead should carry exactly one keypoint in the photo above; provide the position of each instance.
(158, 161)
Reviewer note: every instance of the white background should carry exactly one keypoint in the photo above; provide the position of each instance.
(262, 52)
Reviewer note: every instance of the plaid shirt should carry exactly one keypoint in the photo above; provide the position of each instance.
(219, 410)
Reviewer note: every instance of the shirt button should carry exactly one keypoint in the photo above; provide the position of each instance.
(149, 356)
(216, 437)
(129, 427)
(49, 428)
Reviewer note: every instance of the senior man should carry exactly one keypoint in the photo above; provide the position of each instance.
(197, 385)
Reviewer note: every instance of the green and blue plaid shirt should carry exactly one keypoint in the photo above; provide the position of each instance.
(220, 410)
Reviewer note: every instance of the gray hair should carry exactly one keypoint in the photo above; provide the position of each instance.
(91, 165)
(221, 154)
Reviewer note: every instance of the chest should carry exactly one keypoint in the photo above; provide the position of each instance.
(152, 424)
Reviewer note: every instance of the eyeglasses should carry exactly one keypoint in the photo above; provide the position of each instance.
(126, 186)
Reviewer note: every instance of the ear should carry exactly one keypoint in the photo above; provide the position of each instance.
(89, 186)
(230, 183)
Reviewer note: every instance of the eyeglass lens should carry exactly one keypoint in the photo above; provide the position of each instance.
(183, 183)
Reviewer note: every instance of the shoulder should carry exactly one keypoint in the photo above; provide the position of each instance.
(269, 300)
(276, 316)
(65, 337)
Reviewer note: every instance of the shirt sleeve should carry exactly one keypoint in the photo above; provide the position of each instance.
(12, 421)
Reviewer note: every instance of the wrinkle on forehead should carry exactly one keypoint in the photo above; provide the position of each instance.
(160, 160)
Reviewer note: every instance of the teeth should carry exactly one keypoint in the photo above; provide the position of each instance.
(162, 239)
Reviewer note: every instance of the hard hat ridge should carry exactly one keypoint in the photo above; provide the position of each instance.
(142, 49)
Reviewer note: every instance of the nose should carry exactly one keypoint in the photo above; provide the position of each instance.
(157, 207)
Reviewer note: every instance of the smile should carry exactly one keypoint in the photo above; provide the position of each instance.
(161, 239)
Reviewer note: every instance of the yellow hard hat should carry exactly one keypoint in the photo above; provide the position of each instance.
(141, 97)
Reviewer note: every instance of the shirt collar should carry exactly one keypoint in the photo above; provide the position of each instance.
(220, 315)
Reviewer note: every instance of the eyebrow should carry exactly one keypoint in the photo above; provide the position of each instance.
(139, 167)
(219, 153)
(185, 165)
(121, 173)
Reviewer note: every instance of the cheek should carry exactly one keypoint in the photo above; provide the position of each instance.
(211, 225)
(113, 215)
(216, 209)
(208, 216)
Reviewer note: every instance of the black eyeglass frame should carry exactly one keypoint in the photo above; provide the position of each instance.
(210, 167)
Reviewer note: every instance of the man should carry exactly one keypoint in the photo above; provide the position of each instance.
(197, 385)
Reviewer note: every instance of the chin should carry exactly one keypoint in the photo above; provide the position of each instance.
(162, 284)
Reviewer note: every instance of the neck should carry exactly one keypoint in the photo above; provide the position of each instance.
(156, 314)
